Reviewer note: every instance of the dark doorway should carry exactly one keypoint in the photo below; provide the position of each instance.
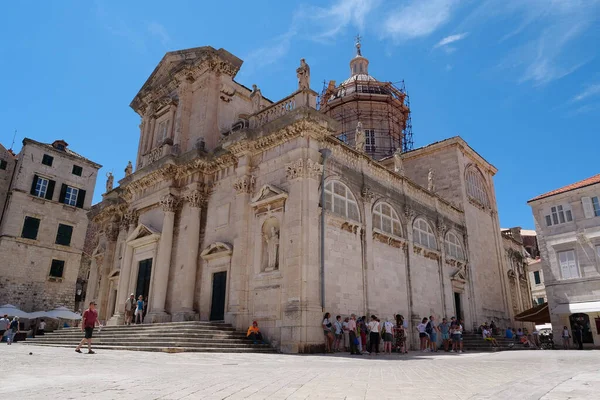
(584, 322)
(143, 280)
(217, 308)
(457, 306)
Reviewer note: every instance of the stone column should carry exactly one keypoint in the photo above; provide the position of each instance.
(90, 293)
(237, 303)
(187, 277)
(160, 279)
(413, 319)
(124, 276)
(369, 278)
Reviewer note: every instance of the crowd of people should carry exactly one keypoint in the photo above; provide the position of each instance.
(362, 336)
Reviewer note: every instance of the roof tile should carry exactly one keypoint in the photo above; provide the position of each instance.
(577, 185)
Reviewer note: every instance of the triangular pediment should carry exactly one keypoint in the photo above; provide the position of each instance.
(215, 250)
(143, 231)
(269, 197)
(459, 276)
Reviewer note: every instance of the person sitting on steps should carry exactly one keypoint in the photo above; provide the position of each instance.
(254, 333)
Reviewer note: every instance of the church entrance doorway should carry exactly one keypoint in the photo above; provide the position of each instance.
(583, 320)
(457, 306)
(217, 308)
(143, 278)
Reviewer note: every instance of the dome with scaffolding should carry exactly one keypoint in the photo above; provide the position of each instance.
(382, 108)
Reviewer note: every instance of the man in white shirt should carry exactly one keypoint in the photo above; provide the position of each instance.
(4, 324)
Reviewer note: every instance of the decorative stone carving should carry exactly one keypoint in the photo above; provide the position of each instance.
(360, 138)
(294, 169)
(441, 229)
(313, 169)
(128, 169)
(169, 203)
(227, 93)
(430, 181)
(196, 198)
(398, 167)
(153, 156)
(272, 249)
(109, 182)
(111, 232)
(131, 217)
(303, 74)
(244, 184)
(409, 213)
(256, 97)
(367, 194)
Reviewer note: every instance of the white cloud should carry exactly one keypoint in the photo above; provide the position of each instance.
(451, 39)
(160, 31)
(419, 18)
(591, 90)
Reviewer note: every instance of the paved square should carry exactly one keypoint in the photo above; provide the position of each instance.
(63, 374)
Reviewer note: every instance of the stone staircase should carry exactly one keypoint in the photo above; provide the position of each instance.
(475, 342)
(172, 337)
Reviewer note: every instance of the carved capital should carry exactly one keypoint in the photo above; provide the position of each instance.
(196, 198)
(441, 229)
(131, 217)
(367, 194)
(244, 184)
(409, 213)
(169, 203)
(313, 169)
(294, 169)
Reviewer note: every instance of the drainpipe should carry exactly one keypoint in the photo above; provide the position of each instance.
(325, 153)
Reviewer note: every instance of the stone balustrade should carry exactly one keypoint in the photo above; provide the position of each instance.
(157, 153)
(300, 98)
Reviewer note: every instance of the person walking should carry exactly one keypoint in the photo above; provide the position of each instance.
(13, 329)
(88, 323)
(139, 310)
(578, 336)
(423, 334)
(130, 306)
(400, 335)
(327, 325)
(4, 324)
(352, 335)
(374, 335)
(42, 328)
(566, 338)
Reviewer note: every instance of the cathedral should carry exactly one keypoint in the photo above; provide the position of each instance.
(242, 209)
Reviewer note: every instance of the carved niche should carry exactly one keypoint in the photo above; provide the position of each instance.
(270, 244)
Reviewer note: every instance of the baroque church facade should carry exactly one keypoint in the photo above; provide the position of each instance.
(243, 209)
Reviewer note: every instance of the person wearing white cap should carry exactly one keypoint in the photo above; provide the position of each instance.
(129, 308)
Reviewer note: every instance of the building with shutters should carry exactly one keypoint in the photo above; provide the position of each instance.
(567, 222)
(46, 191)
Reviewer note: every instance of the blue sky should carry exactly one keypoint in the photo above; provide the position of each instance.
(518, 80)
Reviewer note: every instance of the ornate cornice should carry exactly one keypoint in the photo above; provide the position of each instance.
(294, 169)
(169, 203)
(303, 169)
(244, 184)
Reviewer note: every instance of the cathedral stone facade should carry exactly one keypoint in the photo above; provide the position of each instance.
(242, 209)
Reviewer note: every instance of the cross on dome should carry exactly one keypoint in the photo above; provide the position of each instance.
(358, 38)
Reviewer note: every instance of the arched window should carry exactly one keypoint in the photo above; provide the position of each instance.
(386, 220)
(476, 188)
(423, 234)
(340, 200)
(454, 247)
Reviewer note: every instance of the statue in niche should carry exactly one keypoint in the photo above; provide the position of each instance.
(360, 137)
(430, 182)
(109, 182)
(272, 249)
(303, 74)
(256, 97)
(128, 169)
(398, 161)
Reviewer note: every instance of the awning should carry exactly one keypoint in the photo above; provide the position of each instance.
(538, 314)
(572, 308)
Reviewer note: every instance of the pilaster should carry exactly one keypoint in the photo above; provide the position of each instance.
(111, 234)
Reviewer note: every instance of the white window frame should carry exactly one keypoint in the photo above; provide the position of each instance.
(386, 223)
(454, 246)
(41, 186)
(476, 187)
(559, 214)
(370, 140)
(569, 269)
(423, 234)
(71, 196)
(348, 200)
(596, 206)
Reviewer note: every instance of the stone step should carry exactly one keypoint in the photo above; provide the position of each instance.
(167, 349)
(168, 325)
(184, 333)
(166, 339)
(156, 343)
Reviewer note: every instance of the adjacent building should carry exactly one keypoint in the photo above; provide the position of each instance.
(244, 209)
(45, 193)
(568, 228)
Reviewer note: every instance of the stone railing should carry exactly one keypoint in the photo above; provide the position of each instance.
(300, 98)
(157, 153)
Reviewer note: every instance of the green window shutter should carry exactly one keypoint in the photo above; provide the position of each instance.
(50, 189)
(80, 198)
(63, 193)
(64, 234)
(34, 184)
(31, 227)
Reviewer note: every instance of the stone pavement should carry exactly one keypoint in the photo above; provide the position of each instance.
(112, 374)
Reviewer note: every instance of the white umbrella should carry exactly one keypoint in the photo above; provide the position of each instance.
(64, 313)
(12, 311)
(40, 314)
